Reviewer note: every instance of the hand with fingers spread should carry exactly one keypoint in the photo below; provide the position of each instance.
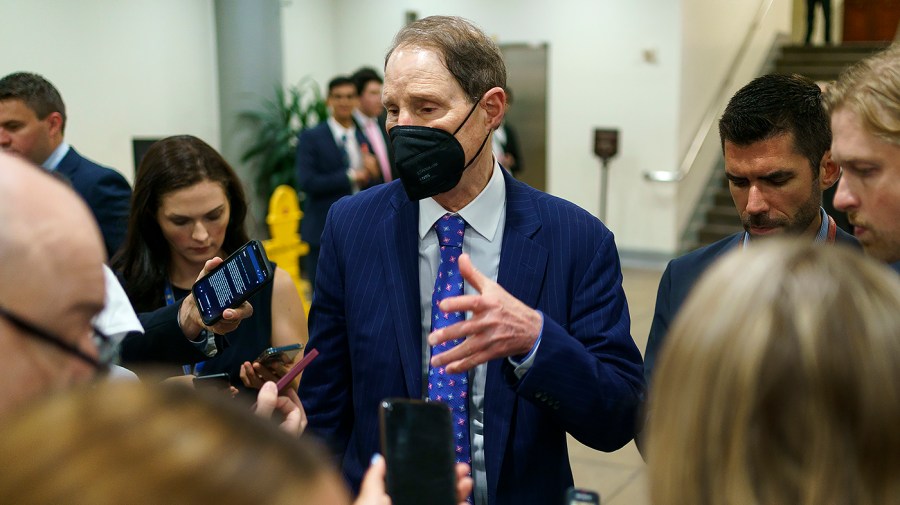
(501, 326)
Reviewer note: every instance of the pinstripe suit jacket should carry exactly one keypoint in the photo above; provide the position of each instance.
(365, 320)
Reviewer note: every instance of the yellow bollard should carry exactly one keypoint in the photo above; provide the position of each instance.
(285, 247)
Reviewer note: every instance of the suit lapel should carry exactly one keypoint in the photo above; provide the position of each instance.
(523, 265)
(400, 257)
(68, 163)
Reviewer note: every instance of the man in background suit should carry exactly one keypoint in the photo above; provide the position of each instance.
(333, 160)
(865, 120)
(547, 349)
(775, 139)
(32, 124)
(370, 116)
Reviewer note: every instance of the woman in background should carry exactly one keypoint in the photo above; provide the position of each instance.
(780, 383)
(188, 206)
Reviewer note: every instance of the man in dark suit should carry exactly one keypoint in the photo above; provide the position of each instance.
(32, 124)
(370, 116)
(546, 348)
(864, 109)
(775, 138)
(333, 160)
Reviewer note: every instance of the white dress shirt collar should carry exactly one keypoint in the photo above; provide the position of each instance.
(481, 214)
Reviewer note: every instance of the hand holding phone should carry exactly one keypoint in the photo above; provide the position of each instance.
(293, 372)
(233, 282)
(284, 355)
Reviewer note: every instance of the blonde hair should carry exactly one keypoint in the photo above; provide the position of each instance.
(140, 444)
(871, 89)
(780, 383)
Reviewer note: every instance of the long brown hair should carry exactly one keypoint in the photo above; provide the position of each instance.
(171, 164)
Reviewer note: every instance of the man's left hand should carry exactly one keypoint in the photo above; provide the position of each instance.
(501, 326)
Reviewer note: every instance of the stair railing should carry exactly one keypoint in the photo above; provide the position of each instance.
(713, 111)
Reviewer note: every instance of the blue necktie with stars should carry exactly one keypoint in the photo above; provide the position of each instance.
(452, 389)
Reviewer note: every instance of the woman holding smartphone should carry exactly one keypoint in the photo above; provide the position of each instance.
(188, 207)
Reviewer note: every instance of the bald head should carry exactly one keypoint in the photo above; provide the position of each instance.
(51, 276)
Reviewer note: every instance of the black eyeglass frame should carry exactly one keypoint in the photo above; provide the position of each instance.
(106, 348)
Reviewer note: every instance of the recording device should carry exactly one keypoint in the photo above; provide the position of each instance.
(213, 381)
(233, 282)
(575, 496)
(418, 447)
(284, 354)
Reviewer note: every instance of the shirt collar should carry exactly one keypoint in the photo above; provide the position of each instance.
(56, 156)
(481, 214)
(339, 130)
(361, 118)
(822, 236)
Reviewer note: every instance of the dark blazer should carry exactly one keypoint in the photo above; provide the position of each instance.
(322, 176)
(365, 321)
(106, 192)
(680, 276)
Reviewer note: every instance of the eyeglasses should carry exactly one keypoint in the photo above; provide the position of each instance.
(107, 350)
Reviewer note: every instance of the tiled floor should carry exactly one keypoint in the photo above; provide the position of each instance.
(619, 477)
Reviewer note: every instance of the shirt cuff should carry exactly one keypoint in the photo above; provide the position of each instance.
(524, 365)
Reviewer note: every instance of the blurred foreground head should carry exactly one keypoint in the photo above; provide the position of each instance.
(780, 383)
(51, 283)
(141, 444)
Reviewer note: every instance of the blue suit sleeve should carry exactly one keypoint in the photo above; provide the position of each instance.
(326, 390)
(588, 376)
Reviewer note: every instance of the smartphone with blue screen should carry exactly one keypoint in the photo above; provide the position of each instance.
(233, 282)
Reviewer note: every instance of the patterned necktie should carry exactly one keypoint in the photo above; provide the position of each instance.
(452, 389)
(345, 156)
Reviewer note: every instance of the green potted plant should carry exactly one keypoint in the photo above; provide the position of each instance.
(278, 123)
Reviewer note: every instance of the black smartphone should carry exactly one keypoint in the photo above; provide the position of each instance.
(575, 496)
(234, 281)
(417, 444)
(212, 381)
(285, 354)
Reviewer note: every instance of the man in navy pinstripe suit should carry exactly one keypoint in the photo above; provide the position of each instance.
(546, 345)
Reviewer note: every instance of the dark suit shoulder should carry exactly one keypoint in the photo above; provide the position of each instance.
(83, 171)
(554, 213)
(704, 256)
(373, 204)
(319, 131)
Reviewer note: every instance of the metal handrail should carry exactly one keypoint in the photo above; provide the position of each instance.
(713, 110)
